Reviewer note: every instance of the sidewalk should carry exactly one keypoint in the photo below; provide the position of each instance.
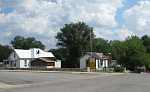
(6, 86)
(68, 72)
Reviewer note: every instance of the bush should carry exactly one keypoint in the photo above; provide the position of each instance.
(118, 69)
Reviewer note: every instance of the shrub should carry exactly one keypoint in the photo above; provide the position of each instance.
(118, 69)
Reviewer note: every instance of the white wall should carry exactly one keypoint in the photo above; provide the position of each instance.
(17, 63)
(98, 65)
(58, 64)
(24, 64)
(28, 63)
(34, 53)
(105, 63)
(21, 64)
(83, 61)
(97, 62)
(13, 58)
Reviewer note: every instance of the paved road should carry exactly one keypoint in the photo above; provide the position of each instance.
(60, 82)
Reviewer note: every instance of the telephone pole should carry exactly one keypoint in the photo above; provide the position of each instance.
(91, 42)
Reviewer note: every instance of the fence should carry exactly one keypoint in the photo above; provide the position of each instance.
(45, 69)
(58, 69)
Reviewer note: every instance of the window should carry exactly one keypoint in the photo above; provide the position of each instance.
(37, 52)
(14, 55)
(98, 61)
(50, 64)
(25, 63)
(101, 62)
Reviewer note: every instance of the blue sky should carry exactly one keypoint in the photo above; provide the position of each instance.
(42, 19)
(127, 4)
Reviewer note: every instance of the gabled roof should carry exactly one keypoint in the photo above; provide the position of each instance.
(97, 55)
(23, 53)
(30, 54)
(45, 54)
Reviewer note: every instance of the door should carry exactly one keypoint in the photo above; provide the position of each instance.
(91, 63)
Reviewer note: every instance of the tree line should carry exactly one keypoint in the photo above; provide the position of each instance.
(19, 42)
(74, 39)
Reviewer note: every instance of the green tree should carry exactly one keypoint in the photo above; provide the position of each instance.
(4, 52)
(75, 37)
(146, 42)
(101, 45)
(20, 42)
(61, 54)
(130, 53)
(135, 52)
(118, 50)
(146, 60)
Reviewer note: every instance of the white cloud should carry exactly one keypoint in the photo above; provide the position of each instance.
(123, 33)
(43, 18)
(115, 34)
(137, 18)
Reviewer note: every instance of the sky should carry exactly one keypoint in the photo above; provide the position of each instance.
(42, 19)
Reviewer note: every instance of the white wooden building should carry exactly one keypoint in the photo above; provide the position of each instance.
(34, 57)
(95, 60)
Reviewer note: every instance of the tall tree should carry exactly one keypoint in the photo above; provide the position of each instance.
(75, 37)
(130, 53)
(135, 52)
(146, 42)
(4, 52)
(61, 54)
(118, 50)
(101, 45)
(20, 42)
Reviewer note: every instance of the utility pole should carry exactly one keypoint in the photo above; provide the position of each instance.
(90, 60)
(91, 42)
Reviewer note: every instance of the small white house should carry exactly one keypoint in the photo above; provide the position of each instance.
(34, 57)
(95, 60)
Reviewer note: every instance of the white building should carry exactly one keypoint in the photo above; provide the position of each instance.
(35, 57)
(95, 60)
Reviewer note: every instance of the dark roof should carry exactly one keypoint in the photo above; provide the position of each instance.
(44, 59)
(97, 55)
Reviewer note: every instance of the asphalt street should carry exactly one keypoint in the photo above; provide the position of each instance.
(65, 82)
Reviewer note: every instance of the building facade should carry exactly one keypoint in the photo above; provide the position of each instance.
(34, 57)
(94, 60)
